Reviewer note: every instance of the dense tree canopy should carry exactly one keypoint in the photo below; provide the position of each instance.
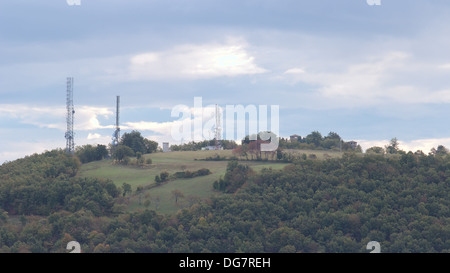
(88, 153)
(196, 146)
(138, 143)
(135, 141)
(120, 152)
(400, 200)
(42, 184)
(316, 141)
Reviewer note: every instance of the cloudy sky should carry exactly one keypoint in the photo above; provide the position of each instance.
(368, 72)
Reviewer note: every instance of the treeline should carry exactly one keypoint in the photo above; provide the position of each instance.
(88, 153)
(316, 141)
(251, 147)
(165, 176)
(130, 145)
(334, 205)
(197, 146)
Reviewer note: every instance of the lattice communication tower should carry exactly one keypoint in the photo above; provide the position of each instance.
(70, 144)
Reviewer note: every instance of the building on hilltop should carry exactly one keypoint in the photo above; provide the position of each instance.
(353, 144)
(166, 147)
(208, 148)
(294, 138)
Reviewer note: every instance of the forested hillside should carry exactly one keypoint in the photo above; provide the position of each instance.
(333, 205)
(43, 184)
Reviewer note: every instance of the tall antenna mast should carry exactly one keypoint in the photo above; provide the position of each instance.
(218, 129)
(116, 135)
(70, 145)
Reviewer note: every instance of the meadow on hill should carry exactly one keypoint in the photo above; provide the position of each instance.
(160, 196)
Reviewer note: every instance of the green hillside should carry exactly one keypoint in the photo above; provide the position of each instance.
(323, 203)
(160, 196)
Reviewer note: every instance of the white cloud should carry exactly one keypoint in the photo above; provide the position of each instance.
(190, 124)
(424, 145)
(42, 117)
(444, 66)
(85, 118)
(391, 77)
(295, 70)
(93, 136)
(196, 61)
(159, 127)
(11, 150)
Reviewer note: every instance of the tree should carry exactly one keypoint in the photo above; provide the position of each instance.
(177, 194)
(122, 151)
(150, 146)
(235, 176)
(164, 176)
(139, 159)
(241, 150)
(253, 149)
(314, 138)
(375, 150)
(126, 188)
(157, 179)
(88, 153)
(333, 135)
(147, 202)
(331, 141)
(392, 148)
(441, 150)
(101, 151)
(237, 152)
(135, 141)
(279, 153)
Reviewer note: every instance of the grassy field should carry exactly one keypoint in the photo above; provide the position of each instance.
(160, 196)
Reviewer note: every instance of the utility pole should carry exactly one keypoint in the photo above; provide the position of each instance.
(116, 135)
(218, 129)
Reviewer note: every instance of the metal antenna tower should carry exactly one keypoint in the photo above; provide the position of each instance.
(116, 135)
(218, 129)
(70, 144)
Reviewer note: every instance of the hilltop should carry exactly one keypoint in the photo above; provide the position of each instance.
(326, 202)
(142, 178)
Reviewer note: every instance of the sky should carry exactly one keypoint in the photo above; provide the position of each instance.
(367, 72)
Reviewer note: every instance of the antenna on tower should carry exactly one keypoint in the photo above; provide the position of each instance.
(218, 129)
(116, 135)
(70, 144)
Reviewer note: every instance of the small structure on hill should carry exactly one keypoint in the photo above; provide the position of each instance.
(208, 148)
(166, 147)
(353, 144)
(294, 138)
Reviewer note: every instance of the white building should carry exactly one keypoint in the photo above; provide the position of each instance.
(166, 147)
(211, 148)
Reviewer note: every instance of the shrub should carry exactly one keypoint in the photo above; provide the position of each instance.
(164, 176)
